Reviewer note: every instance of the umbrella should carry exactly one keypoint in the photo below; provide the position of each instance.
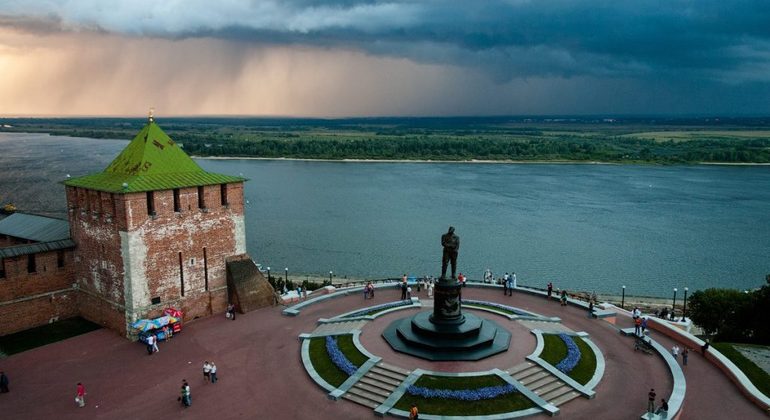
(144, 325)
(173, 312)
(164, 320)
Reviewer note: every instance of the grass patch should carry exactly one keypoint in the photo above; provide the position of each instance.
(555, 350)
(323, 364)
(45, 334)
(756, 375)
(447, 407)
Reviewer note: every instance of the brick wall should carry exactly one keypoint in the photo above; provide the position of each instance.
(18, 283)
(22, 315)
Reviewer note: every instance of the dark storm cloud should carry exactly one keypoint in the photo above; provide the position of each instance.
(707, 39)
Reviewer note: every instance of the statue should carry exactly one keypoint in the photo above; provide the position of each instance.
(451, 244)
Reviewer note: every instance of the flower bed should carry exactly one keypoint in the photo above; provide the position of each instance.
(573, 355)
(504, 308)
(329, 359)
(465, 395)
(556, 351)
(377, 308)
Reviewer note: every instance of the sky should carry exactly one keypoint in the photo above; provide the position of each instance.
(347, 58)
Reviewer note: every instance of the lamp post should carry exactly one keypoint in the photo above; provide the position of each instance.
(268, 273)
(684, 307)
(673, 306)
(623, 298)
(330, 276)
(286, 274)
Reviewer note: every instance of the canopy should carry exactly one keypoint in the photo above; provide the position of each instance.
(144, 325)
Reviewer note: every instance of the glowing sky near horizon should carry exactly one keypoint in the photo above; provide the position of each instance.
(370, 58)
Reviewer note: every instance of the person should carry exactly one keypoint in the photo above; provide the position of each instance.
(461, 278)
(704, 347)
(564, 297)
(413, 412)
(637, 327)
(430, 289)
(487, 276)
(150, 344)
(206, 371)
(451, 244)
(231, 311)
(550, 289)
(637, 313)
(651, 401)
(590, 308)
(675, 351)
(662, 411)
(403, 287)
(644, 324)
(3, 382)
(509, 285)
(213, 373)
(513, 280)
(371, 290)
(408, 292)
(186, 396)
(80, 397)
(505, 284)
(366, 291)
(155, 348)
(685, 355)
(304, 292)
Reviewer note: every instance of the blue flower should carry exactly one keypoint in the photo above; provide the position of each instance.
(378, 308)
(338, 358)
(478, 394)
(573, 354)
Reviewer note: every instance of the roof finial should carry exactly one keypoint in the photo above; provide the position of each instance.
(151, 115)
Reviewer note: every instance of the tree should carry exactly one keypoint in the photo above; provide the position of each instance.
(724, 312)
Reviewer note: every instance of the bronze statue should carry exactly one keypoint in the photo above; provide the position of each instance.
(451, 244)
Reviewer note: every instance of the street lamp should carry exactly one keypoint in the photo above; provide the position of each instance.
(268, 273)
(330, 276)
(673, 306)
(623, 298)
(684, 308)
(286, 275)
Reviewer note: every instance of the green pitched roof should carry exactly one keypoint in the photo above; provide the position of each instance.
(150, 162)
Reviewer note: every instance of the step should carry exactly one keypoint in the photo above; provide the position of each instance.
(534, 378)
(542, 382)
(526, 372)
(384, 379)
(556, 393)
(565, 398)
(385, 386)
(366, 394)
(518, 368)
(363, 401)
(372, 389)
(548, 388)
(392, 368)
(387, 373)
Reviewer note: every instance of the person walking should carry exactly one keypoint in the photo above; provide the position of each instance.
(80, 397)
(637, 327)
(564, 297)
(550, 290)
(675, 351)
(155, 348)
(186, 396)
(413, 412)
(651, 402)
(213, 373)
(685, 355)
(206, 371)
(150, 341)
(644, 324)
(3, 383)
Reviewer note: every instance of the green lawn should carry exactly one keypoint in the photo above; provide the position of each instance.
(319, 357)
(45, 334)
(554, 351)
(756, 375)
(447, 407)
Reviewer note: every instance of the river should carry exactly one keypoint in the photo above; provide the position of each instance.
(583, 227)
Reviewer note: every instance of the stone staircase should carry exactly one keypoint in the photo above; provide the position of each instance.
(374, 387)
(543, 383)
(339, 327)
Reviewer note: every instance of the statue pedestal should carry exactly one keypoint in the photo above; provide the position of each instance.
(447, 309)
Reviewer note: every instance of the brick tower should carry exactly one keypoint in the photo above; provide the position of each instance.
(153, 230)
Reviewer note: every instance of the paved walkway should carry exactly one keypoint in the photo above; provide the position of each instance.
(261, 374)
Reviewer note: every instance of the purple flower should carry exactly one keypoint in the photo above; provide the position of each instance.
(478, 394)
(338, 358)
(573, 354)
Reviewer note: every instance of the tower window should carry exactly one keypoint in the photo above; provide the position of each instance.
(151, 203)
(223, 193)
(177, 204)
(201, 198)
(181, 274)
(31, 266)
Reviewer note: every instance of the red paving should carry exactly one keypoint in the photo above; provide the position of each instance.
(262, 377)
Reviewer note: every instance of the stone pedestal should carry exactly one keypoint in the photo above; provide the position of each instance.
(447, 309)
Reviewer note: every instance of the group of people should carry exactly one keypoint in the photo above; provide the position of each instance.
(662, 410)
(509, 283)
(209, 372)
(369, 291)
